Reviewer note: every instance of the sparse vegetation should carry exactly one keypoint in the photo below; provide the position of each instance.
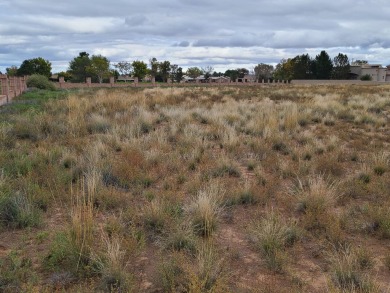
(196, 189)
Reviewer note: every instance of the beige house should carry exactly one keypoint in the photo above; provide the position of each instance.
(376, 71)
(219, 79)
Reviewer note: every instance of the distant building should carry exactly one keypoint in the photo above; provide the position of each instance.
(247, 78)
(376, 71)
(125, 78)
(219, 79)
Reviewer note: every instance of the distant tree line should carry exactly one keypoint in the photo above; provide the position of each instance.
(321, 67)
(99, 68)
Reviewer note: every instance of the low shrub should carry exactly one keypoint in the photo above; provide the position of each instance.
(40, 82)
(366, 77)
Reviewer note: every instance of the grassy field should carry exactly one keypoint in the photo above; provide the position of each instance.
(218, 189)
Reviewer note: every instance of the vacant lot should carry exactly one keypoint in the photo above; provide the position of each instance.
(225, 189)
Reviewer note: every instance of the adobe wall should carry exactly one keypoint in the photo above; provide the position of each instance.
(335, 82)
(11, 87)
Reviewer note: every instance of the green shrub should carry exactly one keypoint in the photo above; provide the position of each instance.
(366, 77)
(40, 82)
(18, 211)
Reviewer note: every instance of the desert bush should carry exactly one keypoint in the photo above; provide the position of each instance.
(98, 124)
(378, 221)
(314, 199)
(15, 271)
(366, 77)
(347, 272)
(18, 211)
(40, 82)
(111, 265)
(205, 209)
(225, 170)
(172, 275)
(380, 162)
(209, 274)
(281, 147)
(154, 216)
(180, 237)
(290, 115)
(72, 248)
(25, 128)
(272, 235)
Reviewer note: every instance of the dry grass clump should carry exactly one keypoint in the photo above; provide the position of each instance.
(205, 209)
(112, 265)
(272, 234)
(347, 268)
(315, 199)
(154, 216)
(204, 273)
(380, 162)
(82, 214)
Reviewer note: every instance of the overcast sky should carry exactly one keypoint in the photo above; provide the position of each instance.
(224, 34)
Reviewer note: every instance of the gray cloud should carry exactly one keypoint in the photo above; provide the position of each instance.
(182, 44)
(136, 20)
(224, 33)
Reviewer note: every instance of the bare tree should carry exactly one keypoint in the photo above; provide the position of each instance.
(123, 67)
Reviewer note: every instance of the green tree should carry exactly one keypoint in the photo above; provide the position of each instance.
(341, 67)
(165, 68)
(303, 67)
(179, 74)
(263, 71)
(242, 72)
(65, 74)
(154, 66)
(284, 70)
(140, 69)
(12, 71)
(78, 67)
(232, 73)
(176, 73)
(322, 66)
(99, 67)
(35, 66)
(194, 72)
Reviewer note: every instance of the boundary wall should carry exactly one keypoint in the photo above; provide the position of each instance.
(11, 87)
